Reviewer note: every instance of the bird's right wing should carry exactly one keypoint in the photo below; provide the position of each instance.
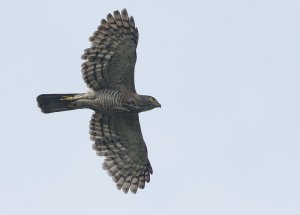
(111, 59)
(118, 137)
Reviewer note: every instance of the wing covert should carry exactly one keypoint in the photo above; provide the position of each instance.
(110, 60)
(118, 137)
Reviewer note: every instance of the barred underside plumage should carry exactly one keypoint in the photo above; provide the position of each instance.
(107, 100)
(111, 59)
(118, 137)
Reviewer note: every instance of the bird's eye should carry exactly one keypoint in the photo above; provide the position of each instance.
(151, 99)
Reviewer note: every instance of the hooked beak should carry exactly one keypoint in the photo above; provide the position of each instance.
(158, 105)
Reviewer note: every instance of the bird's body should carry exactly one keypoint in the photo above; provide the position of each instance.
(109, 73)
(104, 101)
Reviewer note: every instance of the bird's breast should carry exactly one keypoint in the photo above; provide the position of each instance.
(106, 100)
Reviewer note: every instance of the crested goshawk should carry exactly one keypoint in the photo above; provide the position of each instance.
(108, 71)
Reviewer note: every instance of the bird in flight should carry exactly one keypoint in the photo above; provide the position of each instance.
(108, 71)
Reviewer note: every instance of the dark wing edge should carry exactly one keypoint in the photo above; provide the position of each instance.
(118, 138)
(111, 59)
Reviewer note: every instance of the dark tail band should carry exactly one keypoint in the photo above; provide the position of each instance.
(50, 103)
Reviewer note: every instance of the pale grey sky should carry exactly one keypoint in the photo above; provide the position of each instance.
(226, 141)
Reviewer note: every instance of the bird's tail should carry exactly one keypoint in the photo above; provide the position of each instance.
(50, 103)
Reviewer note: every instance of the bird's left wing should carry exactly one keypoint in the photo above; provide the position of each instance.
(111, 60)
(118, 137)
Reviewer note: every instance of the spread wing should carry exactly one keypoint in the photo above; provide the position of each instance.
(111, 59)
(118, 137)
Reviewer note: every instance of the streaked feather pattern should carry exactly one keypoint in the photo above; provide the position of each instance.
(110, 61)
(118, 137)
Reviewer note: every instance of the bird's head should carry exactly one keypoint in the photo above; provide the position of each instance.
(140, 103)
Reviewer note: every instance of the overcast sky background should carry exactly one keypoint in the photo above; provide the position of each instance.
(226, 140)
